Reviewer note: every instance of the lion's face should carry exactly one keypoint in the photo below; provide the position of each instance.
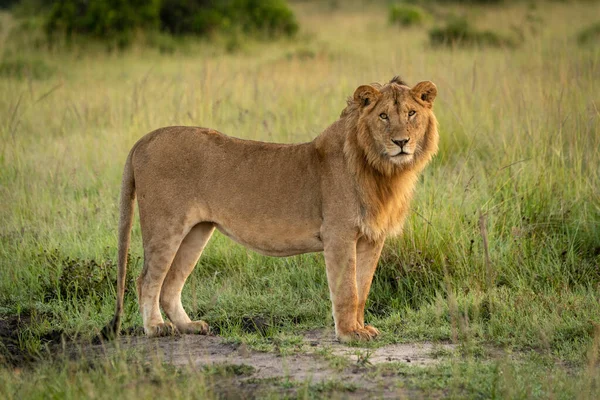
(396, 120)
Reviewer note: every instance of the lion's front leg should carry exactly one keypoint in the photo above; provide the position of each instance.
(340, 261)
(367, 256)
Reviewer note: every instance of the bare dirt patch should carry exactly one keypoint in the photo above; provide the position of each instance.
(422, 353)
(319, 360)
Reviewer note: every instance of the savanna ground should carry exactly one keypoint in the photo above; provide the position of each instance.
(494, 286)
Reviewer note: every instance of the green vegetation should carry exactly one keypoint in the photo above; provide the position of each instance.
(535, 377)
(31, 68)
(270, 18)
(473, 2)
(103, 19)
(118, 20)
(107, 379)
(459, 32)
(501, 254)
(589, 35)
(7, 4)
(406, 14)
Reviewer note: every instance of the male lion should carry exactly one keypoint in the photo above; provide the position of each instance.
(342, 194)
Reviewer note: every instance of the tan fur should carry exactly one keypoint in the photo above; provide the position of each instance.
(342, 194)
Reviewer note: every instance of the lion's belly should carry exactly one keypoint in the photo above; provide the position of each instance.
(275, 241)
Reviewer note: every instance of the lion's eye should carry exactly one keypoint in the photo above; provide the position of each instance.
(411, 113)
(383, 116)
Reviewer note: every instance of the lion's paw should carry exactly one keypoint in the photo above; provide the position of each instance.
(162, 329)
(195, 327)
(360, 334)
(372, 330)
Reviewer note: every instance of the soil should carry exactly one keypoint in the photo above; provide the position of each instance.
(239, 372)
(312, 361)
(11, 352)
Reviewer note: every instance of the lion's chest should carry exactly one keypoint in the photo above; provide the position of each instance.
(385, 224)
(385, 216)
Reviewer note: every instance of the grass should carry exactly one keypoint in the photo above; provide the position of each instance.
(590, 34)
(117, 377)
(534, 377)
(20, 69)
(517, 169)
(458, 32)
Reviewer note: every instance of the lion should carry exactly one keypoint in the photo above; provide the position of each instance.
(341, 194)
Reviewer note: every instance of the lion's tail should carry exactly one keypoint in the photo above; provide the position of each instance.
(125, 223)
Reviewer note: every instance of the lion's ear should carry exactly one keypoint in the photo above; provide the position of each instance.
(424, 93)
(366, 94)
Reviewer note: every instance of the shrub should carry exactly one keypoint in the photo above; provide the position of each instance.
(271, 17)
(26, 8)
(268, 17)
(484, 2)
(116, 20)
(189, 16)
(105, 19)
(590, 35)
(7, 4)
(459, 32)
(79, 278)
(406, 15)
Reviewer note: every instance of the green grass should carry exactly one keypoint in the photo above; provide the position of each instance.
(589, 35)
(116, 377)
(458, 32)
(536, 377)
(518, 152)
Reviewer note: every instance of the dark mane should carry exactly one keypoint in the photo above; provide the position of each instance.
(397, 80)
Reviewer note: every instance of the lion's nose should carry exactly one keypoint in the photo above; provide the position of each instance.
(400, 142)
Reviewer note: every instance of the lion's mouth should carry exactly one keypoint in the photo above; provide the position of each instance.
(402, 153)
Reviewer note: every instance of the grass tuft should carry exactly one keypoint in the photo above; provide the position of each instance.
(22, 68)
(459, 32)
(589, 35)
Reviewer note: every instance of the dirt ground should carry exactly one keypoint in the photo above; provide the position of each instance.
(319, 360)
(242, 373)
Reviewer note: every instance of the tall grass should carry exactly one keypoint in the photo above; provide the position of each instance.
(518, 167)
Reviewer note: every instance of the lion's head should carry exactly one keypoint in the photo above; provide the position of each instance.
(393, 125)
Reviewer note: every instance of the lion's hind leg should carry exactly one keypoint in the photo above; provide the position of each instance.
(183, 264)
(159, 251)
